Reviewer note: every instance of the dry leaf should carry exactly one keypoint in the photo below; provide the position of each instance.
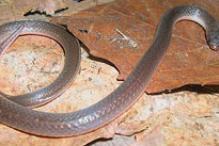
(122, 31)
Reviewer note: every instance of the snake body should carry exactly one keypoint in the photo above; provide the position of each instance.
(121, 99)
(71, 65)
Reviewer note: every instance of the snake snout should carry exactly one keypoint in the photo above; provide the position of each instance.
(214, 45)
(213, 40)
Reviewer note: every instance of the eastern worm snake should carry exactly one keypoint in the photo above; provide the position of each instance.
(14, 113)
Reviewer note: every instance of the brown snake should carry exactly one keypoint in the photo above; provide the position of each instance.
(79, 122)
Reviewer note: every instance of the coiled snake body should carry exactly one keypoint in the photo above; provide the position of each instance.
(25, 119)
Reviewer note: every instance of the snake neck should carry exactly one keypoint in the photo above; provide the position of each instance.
(197, 15)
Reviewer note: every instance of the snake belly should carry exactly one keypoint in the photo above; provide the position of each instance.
(122, 98)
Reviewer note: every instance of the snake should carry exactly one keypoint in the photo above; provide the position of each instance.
(16, 115)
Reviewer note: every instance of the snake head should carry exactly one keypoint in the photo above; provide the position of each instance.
(213, 39)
